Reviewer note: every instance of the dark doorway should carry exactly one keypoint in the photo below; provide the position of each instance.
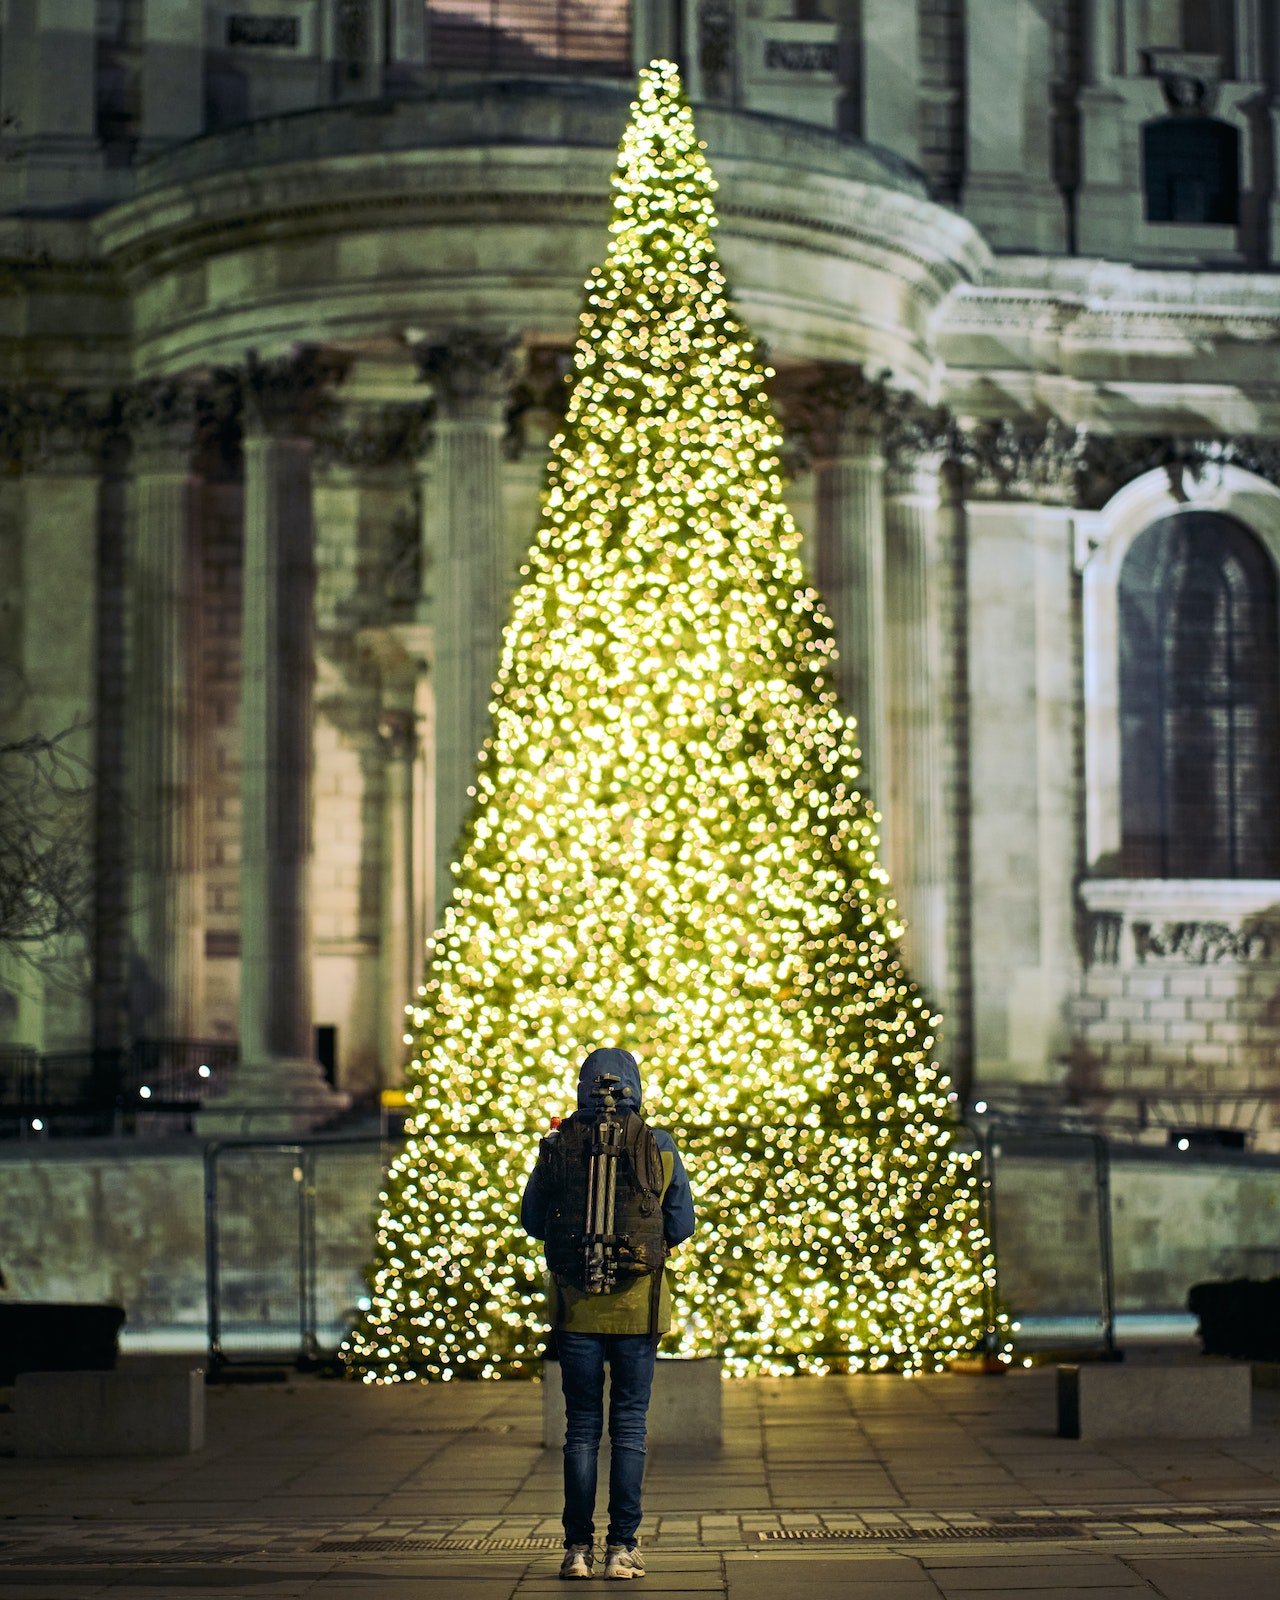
(327, 1050)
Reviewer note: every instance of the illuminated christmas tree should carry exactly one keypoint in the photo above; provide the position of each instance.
(669, 852)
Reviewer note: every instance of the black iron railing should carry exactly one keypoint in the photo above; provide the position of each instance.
(108, 1090)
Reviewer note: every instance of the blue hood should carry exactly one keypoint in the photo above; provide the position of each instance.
(622, 1064)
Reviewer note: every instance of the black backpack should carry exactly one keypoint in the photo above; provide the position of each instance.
(637, 1245)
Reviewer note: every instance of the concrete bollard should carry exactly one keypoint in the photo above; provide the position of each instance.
(684, 1407)
(109, 1413)
(1213, 1401)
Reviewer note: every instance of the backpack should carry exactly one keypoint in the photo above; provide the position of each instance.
(637, 1246)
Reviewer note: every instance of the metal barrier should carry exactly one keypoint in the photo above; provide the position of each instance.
(1056, 1212)
(287, 1239)
(1099, 1241)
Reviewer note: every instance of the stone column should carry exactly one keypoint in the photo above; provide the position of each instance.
(891, 75)
(1009, 190)
(172, 72)
(399, 950)
(471, 374)
(59, 658)
(842, 414)
(48, 86)
(916, 574)
(1101, 41)
(166, 979)
(279, 1087)
(407, 39)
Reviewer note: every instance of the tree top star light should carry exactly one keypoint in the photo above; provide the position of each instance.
(669, 852)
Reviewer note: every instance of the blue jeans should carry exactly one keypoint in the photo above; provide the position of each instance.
(582, 1358)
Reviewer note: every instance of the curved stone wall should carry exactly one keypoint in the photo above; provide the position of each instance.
(487, 204)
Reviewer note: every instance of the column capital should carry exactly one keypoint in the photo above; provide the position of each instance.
(287, 396)
(60, 433)
(919, 444)
(371, 438)
(163, 419)
(471, 371)
(1040, 461)
(836, 410)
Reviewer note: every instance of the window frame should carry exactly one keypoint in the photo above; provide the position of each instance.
(1102, 541)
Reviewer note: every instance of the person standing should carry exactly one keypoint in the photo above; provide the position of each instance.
(621, 1323)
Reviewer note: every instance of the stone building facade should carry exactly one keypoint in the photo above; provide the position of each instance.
(288, 292)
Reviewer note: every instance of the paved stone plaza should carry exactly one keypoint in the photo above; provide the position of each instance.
(943, 1487)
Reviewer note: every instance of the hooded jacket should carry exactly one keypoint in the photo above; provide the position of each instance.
(626, 1309)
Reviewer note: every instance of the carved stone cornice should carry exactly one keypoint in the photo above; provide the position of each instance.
(471, 371)
(363, 439)
(1109, 461)
(289, 396)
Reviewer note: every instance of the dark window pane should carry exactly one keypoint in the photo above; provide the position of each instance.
(1199, 702)
(587, 36)
(1191, 170)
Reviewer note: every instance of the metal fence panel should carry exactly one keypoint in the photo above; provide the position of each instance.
(288, 1236)
(348, 1179)
(1048, 1197)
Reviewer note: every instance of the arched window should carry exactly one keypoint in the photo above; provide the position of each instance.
(1199, 702)
(1191, 170)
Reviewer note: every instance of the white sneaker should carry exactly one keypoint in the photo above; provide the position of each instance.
(619, 1562)
(578, 1561)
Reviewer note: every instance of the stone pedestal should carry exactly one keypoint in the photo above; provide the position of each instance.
(471, 374)
(166, 980)
(1204, 1401)
(109, 1413)
(684, 1406)
(279, 1087)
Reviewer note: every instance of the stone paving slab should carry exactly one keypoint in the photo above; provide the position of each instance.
(922, 1490)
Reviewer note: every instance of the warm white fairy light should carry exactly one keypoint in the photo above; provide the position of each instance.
(670, 852)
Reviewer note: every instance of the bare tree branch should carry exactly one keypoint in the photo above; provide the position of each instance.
(46, 832)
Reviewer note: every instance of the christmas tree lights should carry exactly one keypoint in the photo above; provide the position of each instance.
(669, 851)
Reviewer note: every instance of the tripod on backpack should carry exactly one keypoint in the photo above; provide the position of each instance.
(600, 1241)
(603, 1178)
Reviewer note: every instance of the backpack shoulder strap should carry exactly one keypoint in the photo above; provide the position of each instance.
(646, 1158)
